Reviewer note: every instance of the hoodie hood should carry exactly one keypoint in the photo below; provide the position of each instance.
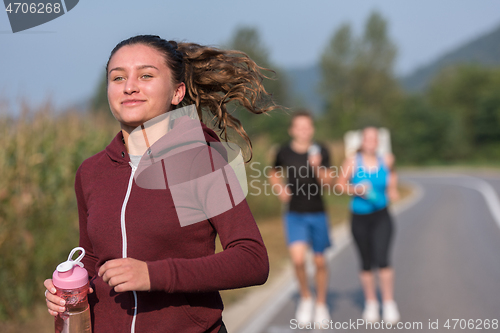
(206, 177)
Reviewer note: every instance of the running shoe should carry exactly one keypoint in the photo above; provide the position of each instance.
(304, 310)
(372, 312)
(390, 312)
(322, 315)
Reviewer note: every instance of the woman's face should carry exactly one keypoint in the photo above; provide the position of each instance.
(140, 85)
(370, 140)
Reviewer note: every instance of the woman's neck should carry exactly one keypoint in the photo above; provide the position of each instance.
(369, 158)
(126, 130)
(368, 154)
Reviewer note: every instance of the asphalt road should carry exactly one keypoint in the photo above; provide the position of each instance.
(446, 256)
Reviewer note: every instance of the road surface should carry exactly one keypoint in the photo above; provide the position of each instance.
(446, 256)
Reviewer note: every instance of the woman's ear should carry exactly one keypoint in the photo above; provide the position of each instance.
(179, 93)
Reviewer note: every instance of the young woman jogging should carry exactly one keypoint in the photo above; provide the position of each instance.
(148, 271)
(373, 181)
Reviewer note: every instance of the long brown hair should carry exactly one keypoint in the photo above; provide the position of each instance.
(213, 78)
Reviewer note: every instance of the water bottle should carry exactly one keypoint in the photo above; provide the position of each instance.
(313, 150)
(71, 281)
(370, 194)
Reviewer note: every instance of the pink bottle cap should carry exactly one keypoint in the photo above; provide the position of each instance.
(71, 274)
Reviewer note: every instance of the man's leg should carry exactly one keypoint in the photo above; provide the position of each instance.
(305, 306)
(321, 241)
(298, 252)
(321, 278)
(318, 223)
(297, 240)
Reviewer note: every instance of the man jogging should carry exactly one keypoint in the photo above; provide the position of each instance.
(300, 172)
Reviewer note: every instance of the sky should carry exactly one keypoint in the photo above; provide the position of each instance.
(64, 59)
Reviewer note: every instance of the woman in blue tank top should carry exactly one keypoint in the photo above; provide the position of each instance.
(375, 179)
(372, 182)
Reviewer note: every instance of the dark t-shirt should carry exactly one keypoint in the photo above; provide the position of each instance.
(302, 182)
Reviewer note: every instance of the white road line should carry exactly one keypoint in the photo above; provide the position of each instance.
(487, 191)
(267, 312)
(489, 194)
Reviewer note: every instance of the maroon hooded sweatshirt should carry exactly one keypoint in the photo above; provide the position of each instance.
(119, 219)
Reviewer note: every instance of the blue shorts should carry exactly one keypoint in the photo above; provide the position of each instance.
(311, 228)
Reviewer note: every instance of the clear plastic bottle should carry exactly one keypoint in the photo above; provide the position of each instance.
(313, 149)
(370, 194)
(71, 282)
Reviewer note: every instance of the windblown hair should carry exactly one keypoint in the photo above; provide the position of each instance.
(213, 78)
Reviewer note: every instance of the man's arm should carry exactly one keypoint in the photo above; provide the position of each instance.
(320, 164)
(279, 179)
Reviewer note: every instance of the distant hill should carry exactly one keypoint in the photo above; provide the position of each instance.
(483, 50)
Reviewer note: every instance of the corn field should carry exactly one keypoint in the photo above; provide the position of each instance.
(39, 155)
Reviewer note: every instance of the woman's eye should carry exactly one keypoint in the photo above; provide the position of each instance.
(118, 78)
(147, 76)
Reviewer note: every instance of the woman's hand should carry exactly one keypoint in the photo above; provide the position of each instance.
(126, 274)
(363, 189)
(55, 303)
(358, 189)
(393, 195)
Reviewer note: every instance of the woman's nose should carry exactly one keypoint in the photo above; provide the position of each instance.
(131, 86)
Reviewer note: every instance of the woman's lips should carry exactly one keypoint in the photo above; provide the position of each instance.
(132, 102)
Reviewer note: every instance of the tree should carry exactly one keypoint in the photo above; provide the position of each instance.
(417, 131)
(469, 93)
(247, 40)
(358, 82)
(455, 120)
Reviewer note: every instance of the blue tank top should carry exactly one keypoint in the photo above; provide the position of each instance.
(378, 179)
